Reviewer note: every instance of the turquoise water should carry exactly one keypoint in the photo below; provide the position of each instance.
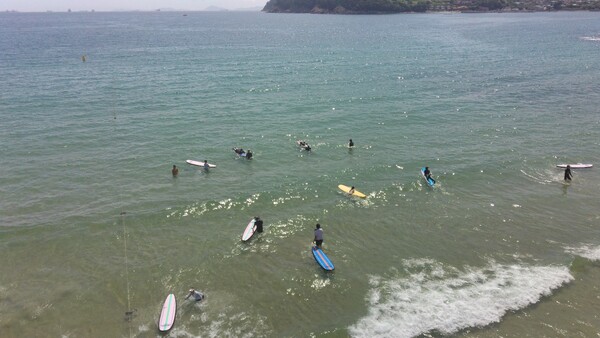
(94, 225)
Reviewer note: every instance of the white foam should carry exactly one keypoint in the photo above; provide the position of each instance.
(586, 251)
(435, 298)
(590, 38)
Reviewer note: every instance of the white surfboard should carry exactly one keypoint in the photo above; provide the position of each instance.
(200, 164)
(575, 166)
(167, 315)
(250, 229)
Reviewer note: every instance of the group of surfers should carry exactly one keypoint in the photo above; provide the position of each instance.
(241, 152)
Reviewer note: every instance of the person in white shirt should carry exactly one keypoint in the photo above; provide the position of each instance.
(198, 296)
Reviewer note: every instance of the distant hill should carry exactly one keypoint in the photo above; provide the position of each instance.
(400, 6)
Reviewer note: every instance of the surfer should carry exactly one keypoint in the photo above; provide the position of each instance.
(351, 191)
(350, 144)
(318, 236)
(175, 171)
(248, 154)
(427, 174)
(238, 151)
(568, 174)
(259, 224)
(198, 296)
(206, 166)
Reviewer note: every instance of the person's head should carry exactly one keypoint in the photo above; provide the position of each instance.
(352, 188)
(205, 161)
(256, 218)
(318, 226)
(174, 166)
(426, 168)
(192, 290)
(568, 166)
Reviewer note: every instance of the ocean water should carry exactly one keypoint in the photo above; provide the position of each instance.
(93, 225)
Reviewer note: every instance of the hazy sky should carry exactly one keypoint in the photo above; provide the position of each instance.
(111, 5)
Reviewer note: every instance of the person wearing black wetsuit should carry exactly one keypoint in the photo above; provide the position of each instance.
(259, 224)
(427, 174)
(568, 174)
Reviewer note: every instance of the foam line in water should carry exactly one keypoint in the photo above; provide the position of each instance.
(434, 298)
(586, 251)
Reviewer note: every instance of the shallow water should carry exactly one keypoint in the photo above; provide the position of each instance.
(93, 220)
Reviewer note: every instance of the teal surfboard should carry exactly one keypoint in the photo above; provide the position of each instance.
(430, 181)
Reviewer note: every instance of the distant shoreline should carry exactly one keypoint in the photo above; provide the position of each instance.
(304, 12)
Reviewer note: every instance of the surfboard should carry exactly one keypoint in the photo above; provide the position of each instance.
(575, 166)
(322, 258)
(250, 229)
(167, 315)
(430, 181)
(200, 164)
(241, 155)
(356, 193)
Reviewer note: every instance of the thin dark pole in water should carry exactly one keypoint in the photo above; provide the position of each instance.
(129, 313)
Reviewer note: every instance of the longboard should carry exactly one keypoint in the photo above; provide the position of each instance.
(322, 259)
(200, 164)
(167, 315)
(430, 181)
(356, 193)
(575, 166)
(250, 229)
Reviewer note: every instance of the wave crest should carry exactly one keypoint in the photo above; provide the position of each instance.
(447, 300)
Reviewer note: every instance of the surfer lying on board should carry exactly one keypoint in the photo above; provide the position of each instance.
(198, 296)
(238, 151)
(568, 174)
(318, 236)
(427, 174)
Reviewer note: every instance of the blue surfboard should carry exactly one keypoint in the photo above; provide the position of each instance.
(322, 259)
(430, 181)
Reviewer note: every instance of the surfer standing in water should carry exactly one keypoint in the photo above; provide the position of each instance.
(568, 174)
(175, 171)
(318, 236)
(198, 296)
(427, 174)
(350, 144)
(351, 191)
(259, 224)
(248, 154)
(206, 166)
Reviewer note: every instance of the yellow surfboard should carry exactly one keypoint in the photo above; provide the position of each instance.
(356, 193)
